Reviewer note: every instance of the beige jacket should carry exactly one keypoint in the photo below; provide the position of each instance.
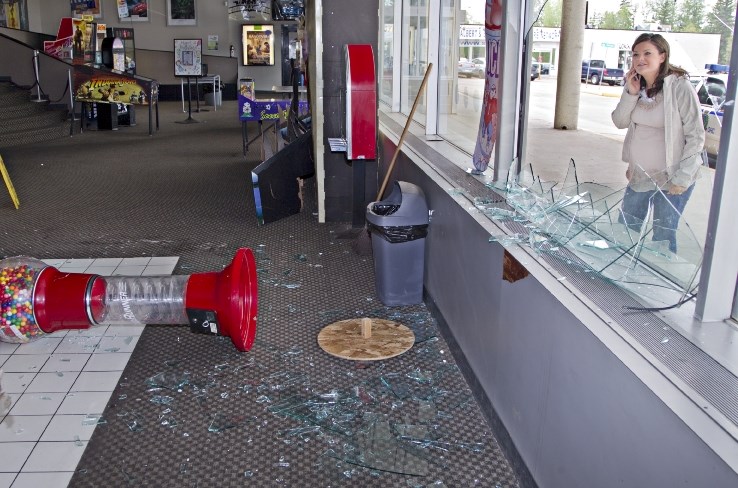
(685, 134)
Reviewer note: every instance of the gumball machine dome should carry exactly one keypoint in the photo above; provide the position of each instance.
(18, 276)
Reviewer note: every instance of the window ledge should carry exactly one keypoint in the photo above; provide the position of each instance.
(698, 345)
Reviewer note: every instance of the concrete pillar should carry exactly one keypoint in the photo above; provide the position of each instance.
(568, 78)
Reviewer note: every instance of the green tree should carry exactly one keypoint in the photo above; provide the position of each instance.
(550, 15)
(721, 20)
(690, 16)
(622, 19)
(662, 11)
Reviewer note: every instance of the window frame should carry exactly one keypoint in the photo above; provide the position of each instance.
(717, 297)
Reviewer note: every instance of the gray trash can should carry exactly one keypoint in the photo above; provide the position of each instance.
(214, 98)
(399, 225)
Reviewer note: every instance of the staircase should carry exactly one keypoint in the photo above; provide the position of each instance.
(25, 122)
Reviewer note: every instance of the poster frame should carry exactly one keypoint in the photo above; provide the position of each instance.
(129, 6)
(249, 34)
(171, 21)
(188, 57)
(95, 11)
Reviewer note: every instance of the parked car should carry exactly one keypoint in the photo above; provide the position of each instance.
(480, 67)
(711, 92)
(466, 68)
(595, 72)
(535, 71)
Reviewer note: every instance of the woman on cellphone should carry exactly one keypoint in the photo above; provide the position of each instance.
(663, 145)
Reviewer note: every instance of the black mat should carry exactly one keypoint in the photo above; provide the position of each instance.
(186, 192)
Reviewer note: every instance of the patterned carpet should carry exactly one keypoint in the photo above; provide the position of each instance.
(190, 410)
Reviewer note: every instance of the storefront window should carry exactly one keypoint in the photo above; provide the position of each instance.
(414, 55)
(588, 151)
(461, 71)
(386, 51)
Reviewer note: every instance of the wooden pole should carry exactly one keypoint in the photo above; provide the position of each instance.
(404, 132)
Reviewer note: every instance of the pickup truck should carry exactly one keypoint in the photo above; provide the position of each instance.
(595, 72)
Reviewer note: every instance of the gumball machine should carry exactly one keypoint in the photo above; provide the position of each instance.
(36, 299)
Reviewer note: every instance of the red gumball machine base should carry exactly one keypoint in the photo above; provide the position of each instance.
(37, 299)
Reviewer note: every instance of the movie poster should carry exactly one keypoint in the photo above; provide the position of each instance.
(487, 134)
(86, 7)
(257, 45)
(84, 40)
(133, 10)
(14, 14)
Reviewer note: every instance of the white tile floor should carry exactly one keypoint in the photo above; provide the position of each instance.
(56, 388)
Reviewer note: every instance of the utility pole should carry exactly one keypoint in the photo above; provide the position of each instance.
(566, 114)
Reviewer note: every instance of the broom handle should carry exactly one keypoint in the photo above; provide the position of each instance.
(404, 131)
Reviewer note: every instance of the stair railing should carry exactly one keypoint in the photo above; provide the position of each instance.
(38, 98)
(71, 102)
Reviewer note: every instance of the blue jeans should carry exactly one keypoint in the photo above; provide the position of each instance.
(667, 209)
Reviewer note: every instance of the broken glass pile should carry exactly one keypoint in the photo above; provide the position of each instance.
(584, 225)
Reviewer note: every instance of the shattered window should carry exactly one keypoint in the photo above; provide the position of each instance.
(587, 226)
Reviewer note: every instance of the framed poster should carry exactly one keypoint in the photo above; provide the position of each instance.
(133, 10)
(87, 7)
(257, 42)
(14, 14)
(181, 12)
(188, 57)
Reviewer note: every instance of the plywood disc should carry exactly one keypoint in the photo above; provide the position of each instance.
(365, 339)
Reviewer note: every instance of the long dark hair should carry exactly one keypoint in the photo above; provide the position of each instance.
(666, 68)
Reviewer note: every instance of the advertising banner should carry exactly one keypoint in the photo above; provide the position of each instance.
(487, 134)
(253, 110)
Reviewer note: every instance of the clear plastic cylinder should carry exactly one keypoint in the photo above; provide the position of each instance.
(131, 300)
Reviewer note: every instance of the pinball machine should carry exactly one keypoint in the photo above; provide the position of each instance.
(109, 87)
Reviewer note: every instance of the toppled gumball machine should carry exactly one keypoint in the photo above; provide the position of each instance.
(36, 299)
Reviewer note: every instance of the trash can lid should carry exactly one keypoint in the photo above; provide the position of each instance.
(409, 199)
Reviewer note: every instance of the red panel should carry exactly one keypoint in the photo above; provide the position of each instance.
(65, 28)
(363, 125)
(362, 116)
(361, 67)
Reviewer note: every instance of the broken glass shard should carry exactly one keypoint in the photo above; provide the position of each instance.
(161, 399)
(171, 380)
(220, 422)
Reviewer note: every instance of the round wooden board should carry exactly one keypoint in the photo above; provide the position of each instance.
(344, 339)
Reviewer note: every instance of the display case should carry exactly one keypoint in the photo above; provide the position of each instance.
(129, 46)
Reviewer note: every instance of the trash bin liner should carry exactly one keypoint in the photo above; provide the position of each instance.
(402, 233)
(399, 225)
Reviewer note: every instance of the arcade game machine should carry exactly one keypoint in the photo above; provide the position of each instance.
(113, 56)
(125, 34)
(114, 89)
(110, 86)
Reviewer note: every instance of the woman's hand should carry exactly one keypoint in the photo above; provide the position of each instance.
(628, 173)
(632, 82)
(676, 190)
